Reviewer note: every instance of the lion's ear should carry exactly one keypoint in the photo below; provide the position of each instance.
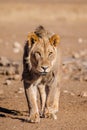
(32, 38)
(54, 40)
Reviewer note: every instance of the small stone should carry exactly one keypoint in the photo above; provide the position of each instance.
(16, 63)
(80, 40)
(65, 91)
(72, 94)
(76, 55)
(21, 90)
(83, 94)
(83, 52)
(4, 61)
(16, 77)
(8, 82)
(14, 127)
(68, 92)
(17, 47)
(16, 50)
(10, 71)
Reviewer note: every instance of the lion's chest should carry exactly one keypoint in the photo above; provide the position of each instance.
(36, 80)
(46, 80)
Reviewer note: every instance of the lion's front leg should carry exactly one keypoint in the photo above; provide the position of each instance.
(52, 104)
(31, 96)
(43, 98)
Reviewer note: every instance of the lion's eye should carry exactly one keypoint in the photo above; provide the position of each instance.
(50, 53)
(38, 54)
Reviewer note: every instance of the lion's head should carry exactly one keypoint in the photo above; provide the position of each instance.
(42, 52)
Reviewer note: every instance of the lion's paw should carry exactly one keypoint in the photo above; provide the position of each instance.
(34, 118)
(51, 115)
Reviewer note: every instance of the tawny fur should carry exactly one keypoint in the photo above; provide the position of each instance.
(42, 70)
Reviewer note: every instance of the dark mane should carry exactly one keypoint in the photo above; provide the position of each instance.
(40, 31)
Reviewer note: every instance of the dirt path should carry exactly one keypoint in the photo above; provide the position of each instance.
(68, 20)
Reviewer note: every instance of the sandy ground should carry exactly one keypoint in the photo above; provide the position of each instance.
(70, 22)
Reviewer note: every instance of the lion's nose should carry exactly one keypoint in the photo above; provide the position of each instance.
(44, 67)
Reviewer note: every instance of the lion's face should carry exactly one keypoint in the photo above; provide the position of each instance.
(43, 53)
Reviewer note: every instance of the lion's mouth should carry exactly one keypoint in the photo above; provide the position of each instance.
(43, 73)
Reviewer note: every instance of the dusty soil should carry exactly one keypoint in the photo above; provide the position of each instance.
(70, 22)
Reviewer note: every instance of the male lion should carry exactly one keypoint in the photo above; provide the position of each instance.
(41, 71)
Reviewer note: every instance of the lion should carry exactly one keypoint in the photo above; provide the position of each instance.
(42, 72)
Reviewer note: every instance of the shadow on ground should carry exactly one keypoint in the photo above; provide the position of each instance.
(14, 114)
